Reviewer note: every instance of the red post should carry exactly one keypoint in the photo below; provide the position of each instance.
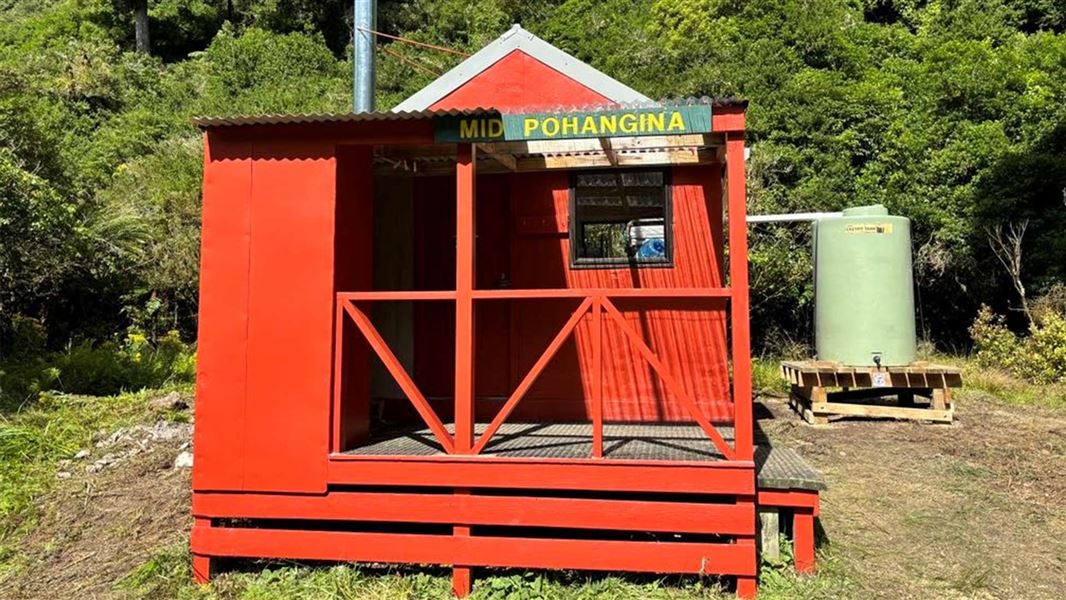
(747, 587)
(738, 284)
(462, 576)
(803, 540)
(201, 565)
(465, 175)
(462, 580)
(338, 377)
(597, 377)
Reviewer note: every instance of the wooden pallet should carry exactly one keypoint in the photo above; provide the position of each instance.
(919, 391)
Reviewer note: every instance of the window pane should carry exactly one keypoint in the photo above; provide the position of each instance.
(620, 217)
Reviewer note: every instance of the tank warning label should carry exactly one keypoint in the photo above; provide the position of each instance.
(870, 228)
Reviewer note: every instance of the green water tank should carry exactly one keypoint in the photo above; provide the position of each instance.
(863, 288)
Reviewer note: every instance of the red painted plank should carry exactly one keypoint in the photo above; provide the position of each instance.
(291, 317)
(738, 283)
(538, 474)
(670, 292)
(353, 269)
(465, 243)
(803, 541)
(222, 350)
(536, 553)
(597, 377)
(728, 118)
(396, 295)
(201, 565)
(790, 498)
(525, 511)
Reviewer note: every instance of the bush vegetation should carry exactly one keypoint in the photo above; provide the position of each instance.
(950, 112)
(1039, 357)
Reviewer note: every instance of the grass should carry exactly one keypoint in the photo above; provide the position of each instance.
(168, 575)
(36, 437)
(766, 376)
(1011, 389)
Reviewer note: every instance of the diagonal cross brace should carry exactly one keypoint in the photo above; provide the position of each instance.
(395, 368)
(532, 375)
(671, 383)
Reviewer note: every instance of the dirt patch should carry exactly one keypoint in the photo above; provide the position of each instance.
(113, 506)
(969, 510)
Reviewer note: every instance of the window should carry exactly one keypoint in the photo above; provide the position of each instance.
(620, 218)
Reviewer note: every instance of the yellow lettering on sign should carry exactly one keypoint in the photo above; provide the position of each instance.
(608, 123)
(588, 125)
(495, 128)
(550, 127)
(468, 128)
(569, 125)
(656, 122)
(676, 122)
(530, 125)
(643, 122)
(628, 123)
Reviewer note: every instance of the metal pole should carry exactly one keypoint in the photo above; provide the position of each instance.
(364, 19)
(792, 217)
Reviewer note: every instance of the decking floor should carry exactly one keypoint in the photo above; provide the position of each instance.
(777, 467)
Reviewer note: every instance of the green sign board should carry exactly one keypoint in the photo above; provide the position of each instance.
(673, 120)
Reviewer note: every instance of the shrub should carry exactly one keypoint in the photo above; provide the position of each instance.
(1038, 357)
(996, 345)
(129, 364)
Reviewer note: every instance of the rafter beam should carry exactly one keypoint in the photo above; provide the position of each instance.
(605, 143)
(506, 160)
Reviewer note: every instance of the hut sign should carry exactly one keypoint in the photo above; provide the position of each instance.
(573, 125)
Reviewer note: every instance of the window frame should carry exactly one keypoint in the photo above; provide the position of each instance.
(666, 262)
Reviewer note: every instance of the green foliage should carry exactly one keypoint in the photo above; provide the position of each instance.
(766, 376)
(256, 71)
(39, 232)
(167, 575)
(950, 113)
(778, 578)
(1039, 357)
(109, 367)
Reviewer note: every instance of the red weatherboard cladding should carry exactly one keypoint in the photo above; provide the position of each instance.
(266, 325)
(689, 336)
(520, 81)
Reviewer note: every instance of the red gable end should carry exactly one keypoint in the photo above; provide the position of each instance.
(520, 81)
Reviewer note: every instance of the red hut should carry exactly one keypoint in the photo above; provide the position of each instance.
(479, 337)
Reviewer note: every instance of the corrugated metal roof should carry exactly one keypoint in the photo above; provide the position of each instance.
(237, 120)
(293, 119)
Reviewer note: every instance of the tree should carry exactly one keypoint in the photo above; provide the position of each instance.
(1007, 246)
(140, 26)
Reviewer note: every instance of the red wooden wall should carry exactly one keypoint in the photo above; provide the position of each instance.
(266, 313)
(689, 335)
